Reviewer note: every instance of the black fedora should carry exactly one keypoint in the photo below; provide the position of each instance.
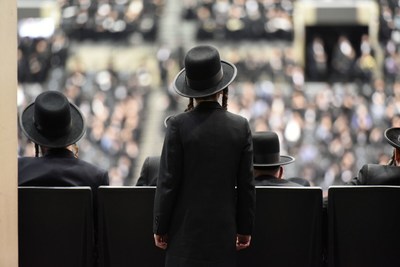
(204, 74)
(52, 121)
(392, 136)
(266, 149)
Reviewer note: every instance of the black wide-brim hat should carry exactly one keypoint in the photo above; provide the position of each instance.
(52, 121)
(204, 74)
(392, 136)
(266, 150)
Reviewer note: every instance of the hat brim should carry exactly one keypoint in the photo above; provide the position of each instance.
(166, 120)
(183, 89)
(392, 136)
(78, 129)
(283, 160)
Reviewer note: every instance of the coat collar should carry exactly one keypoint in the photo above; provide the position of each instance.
(60, 153)
(208, 105)
(273, 181)
(266, 177)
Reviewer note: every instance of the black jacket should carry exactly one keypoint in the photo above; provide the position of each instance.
(59, 168)
(269, 180)
(375, 174)
(206, 153)
(149, 172)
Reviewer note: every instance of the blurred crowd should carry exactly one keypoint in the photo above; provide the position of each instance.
(389, 36)
(36, 56)
(240, 19)
(110, 19)
(113, 102)
(332, 127)
(346, 63)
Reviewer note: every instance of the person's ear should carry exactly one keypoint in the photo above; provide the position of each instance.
(397, 156)
(280, 172)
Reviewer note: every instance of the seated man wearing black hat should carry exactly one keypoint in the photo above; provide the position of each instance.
(268, 162)
(376, 174)
(54, 125)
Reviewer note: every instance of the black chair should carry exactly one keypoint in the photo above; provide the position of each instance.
(288, 228)
(126, 227)
(55, 227)
(364, 226)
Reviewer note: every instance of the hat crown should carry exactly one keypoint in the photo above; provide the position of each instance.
(52, 121)
(52, 114)
(202, 62)
(203, 68)
(204, 74)
(266, 148)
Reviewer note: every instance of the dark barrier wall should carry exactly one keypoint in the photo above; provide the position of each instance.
(362, 225)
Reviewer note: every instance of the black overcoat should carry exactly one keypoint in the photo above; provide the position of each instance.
(206, 153)
(376, 174)
(60, 168)
(149, 172)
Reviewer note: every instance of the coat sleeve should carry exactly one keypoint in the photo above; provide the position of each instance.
(169, 177)
(246, 194)
(362, 174)
(105, 180)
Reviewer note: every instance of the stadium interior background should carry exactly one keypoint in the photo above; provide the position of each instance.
(323, 74)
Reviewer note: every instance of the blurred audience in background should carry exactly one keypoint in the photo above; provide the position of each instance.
(111, 19)
(332, 127)
(235, 20)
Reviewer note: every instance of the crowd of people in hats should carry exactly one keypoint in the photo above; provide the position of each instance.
(208, 154)
(55, 126)
(114, 110)
(347, 120)
(233, 136)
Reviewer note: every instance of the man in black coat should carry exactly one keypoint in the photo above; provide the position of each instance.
(268, 163)
(375, 174)
(54, 125)
(151, 165)
(199, 216)
(149, 172)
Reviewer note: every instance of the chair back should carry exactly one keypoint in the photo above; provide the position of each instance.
(288, 228)
(126, 227)
(364, 226)
(55, 227)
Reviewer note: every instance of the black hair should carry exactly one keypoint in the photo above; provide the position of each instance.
(225, 98)
(269, 169)
(190, 106)
(392, 161)
(225, 92)
(36, 150)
